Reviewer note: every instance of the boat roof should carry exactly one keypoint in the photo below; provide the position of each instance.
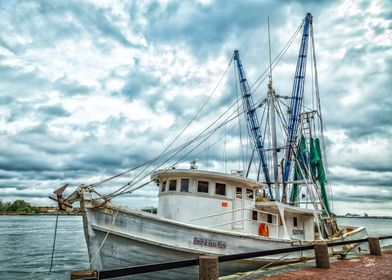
(203, 174)
(287, 207)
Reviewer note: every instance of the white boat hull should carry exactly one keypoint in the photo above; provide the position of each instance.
(139, 238)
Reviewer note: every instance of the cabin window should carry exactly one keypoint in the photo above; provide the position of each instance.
(269, 218)
(254, 215)
(249, 193)
(238, 192)
(185, 185)
(173, 185)
(295, 221)
(163, 189)
(202, 186)
(220, 189)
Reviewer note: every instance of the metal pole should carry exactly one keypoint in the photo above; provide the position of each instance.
(271, 94)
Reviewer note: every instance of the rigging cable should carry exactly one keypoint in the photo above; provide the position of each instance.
(277, 58)
(181, 159)
(119, 191)
(197, 114)
(104, 240)
(54, 243)
(281, 118)
(148, 163)
(205, 134)
(323, 144)
(209, 147)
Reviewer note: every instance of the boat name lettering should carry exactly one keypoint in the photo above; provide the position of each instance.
(209, 242)
(298, 231)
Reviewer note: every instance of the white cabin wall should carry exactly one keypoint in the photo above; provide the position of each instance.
(290, 226)
(186, 206)
(305, 223)
(309, 227)
(174, 207)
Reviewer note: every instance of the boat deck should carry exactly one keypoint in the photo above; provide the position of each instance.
(354, 267)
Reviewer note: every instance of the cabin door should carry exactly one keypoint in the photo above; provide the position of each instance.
(238, 211)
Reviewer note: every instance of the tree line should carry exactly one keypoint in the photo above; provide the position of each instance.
(17, 206)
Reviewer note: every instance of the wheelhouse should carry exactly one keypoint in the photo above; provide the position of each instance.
(229, 202)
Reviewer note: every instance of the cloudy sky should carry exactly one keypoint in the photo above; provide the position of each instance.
(91, 88)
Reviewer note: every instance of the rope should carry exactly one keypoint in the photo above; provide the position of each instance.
(104, 240)
(265, 266)
(54, 243)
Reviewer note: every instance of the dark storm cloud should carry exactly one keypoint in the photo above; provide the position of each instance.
(5, 100)
(54, 111)
(18, 81)
(63, 20)
(69, 88)
(139, 84)
(384, 180)
(204, 29)
(374, 198)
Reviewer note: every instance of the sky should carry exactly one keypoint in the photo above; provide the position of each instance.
(91, 88)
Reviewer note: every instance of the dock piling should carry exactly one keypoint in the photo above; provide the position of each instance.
(321, 254)
(374, 246)
(208, 268)
(83, 274)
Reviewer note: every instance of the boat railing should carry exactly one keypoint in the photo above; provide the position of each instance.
(243, 219)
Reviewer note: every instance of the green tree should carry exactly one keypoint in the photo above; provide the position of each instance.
(19, 206)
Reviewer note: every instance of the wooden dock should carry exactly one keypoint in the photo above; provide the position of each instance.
(356, 266)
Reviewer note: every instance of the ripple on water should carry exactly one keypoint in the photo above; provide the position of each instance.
(26, 247)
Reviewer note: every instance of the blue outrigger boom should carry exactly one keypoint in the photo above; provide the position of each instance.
(253, 120)
(297, 97)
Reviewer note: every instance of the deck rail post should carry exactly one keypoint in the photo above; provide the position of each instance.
(374, 246)
(208, 268)
(321, 255)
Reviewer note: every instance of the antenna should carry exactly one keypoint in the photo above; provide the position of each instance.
(269, 48)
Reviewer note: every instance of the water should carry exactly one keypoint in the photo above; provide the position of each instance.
(26, 244)
(374, 227)
(26, 247)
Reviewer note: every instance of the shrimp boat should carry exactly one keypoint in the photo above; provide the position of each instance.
(279, 200)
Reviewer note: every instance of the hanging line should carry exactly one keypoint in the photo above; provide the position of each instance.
(54, 243)
(104, 240)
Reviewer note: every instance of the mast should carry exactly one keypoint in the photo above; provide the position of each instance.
(271, 97)
(271, 94)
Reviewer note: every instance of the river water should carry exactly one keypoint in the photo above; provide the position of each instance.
(26, 244)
